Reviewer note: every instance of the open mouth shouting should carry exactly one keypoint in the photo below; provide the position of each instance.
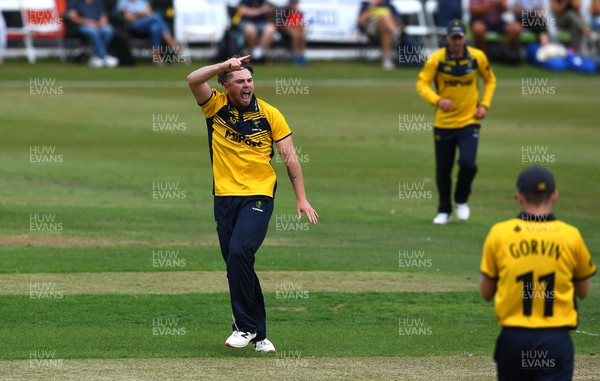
(246, 96)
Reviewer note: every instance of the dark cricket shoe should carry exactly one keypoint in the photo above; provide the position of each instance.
(239, 339)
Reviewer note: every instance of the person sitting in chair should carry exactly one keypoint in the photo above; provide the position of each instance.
(292, 23)
(254, 18)
(486, 16)
(568, 17)
(91, 19)
(143, 20)
(532, 17)
(380, 20)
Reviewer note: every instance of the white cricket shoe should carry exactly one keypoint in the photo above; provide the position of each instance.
(264, 346)
(96, 62)
(462, 212)
(111, 61)
(387, 64)
(239, 339)
(442, 219)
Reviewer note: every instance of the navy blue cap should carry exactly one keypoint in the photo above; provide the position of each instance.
(456, 28)
(536, 179)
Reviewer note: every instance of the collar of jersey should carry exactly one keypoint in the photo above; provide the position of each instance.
(466, 55)
(540, 218)
(252, 106)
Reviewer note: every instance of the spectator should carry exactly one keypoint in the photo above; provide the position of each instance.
(292, 23)
(380, 20)
(595, 12)
(143, 20)
(532, 16)
(486, 15)
(91, 19)
(568, 18)
(448, 10)
(255, 22)
(2, 38)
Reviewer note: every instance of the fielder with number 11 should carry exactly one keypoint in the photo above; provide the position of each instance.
(241, 133)
(534, 266)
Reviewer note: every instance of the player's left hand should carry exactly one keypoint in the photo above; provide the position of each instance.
(480, 112)
(304, 206)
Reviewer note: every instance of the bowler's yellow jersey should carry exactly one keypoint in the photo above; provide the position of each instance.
(457, 80)
(535, 260)
(241, 145)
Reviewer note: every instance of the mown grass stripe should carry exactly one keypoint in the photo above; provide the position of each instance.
(181, 282)
(196, 325)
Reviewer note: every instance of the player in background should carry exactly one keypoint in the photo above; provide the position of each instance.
(455, 70)
(534, 266)
(241, 133)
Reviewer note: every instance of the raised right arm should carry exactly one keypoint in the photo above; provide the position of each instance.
(198, 79)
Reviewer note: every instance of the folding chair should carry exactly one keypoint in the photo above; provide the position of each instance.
(41, 19)
(431, 9)
(199, 21)
(421, 29)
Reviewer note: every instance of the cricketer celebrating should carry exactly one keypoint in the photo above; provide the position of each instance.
(241, 133)
(534, 266)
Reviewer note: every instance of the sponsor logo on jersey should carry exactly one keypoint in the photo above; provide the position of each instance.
(241, 138)
(456, 82)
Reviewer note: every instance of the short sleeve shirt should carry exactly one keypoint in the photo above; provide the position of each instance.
(241, 145)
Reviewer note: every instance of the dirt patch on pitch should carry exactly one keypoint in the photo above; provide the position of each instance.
(48, 285)
(59, 240)
(279, 366)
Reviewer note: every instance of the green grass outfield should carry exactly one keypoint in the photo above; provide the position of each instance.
(360, 154)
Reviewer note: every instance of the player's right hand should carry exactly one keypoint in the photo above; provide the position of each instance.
(444, 104)
(235, 63)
